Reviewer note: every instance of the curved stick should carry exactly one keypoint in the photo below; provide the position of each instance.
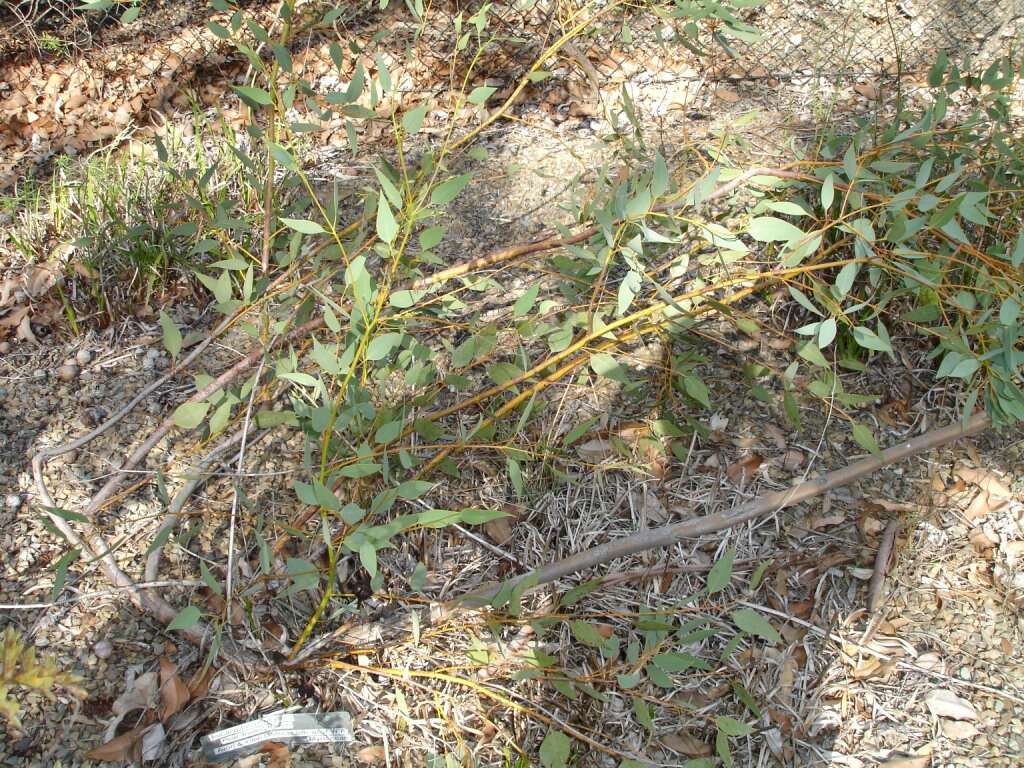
(49, 453)
(772, 502)
(662, 537)
(95, 545)
(197, 478)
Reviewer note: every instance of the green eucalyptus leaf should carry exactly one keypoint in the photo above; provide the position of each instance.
(190, 415)
(172, 336)
(187, 617)
(254, 97)
(753, 623)
(772, 229)
(446, 192)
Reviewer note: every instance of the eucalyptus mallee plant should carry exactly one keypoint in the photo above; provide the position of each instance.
(368, 344)
(931, 207)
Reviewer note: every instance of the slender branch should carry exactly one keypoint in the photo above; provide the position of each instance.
(232, 373)
(196, 479)
(95, 545)
(553, 241)
(883, 560)
(229, 582)
(882, 566)
(669, 535)
(666, 536)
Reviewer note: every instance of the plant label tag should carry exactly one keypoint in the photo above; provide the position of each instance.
(280, 727)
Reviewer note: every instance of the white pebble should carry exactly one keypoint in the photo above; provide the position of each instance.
(13, 501)
(5, 347)
(103, 649)
(68, 372)
(84, 357)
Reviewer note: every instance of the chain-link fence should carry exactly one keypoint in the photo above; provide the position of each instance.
(845, 39)
(74, 81)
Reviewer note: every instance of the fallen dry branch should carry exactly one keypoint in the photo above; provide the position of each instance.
(93, 544)
(668, 535)
(882, 562)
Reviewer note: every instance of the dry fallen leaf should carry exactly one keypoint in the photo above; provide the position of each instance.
(907, 761)
(199, 685)
(981, 541)
(983, 505)
(778, 437)
(499, 530)
(595, 450)
(819, 522)
(686, 744)
(153, 743)
(370, 754)
(174, 694)
(787, 678)
(25, 332)
(868, 521)
(742, 470)
(985, 479)
(650, 506)
(866, 90)
(280, 757)
(141, 694)
(121, 749)
(942, 702)
(793, 459)
(39, 280)
(727, 95)
(634, 432)
(13, 318)
(931, 661)
(957, 730)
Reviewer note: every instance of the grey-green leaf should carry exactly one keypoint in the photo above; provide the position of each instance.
(828, 191)
(387, 227)
(864, 437)
(446, 192)
(753, 623)
(304, 226)
(254, 97)
(190, 415)
(826, 332)
(187, 617)
(721, 572)
(412, 120)
(381, 346)
(771, 229)
(480, 94)
(554, 750)
(172, 336)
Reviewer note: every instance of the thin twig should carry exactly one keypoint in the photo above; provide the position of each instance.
(882, 561)
(95, 545)
(102, 593)
(234, 498)
(195, 480)
(671, 534)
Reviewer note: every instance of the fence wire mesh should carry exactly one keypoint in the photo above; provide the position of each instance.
(72, 81)
(863, 38)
